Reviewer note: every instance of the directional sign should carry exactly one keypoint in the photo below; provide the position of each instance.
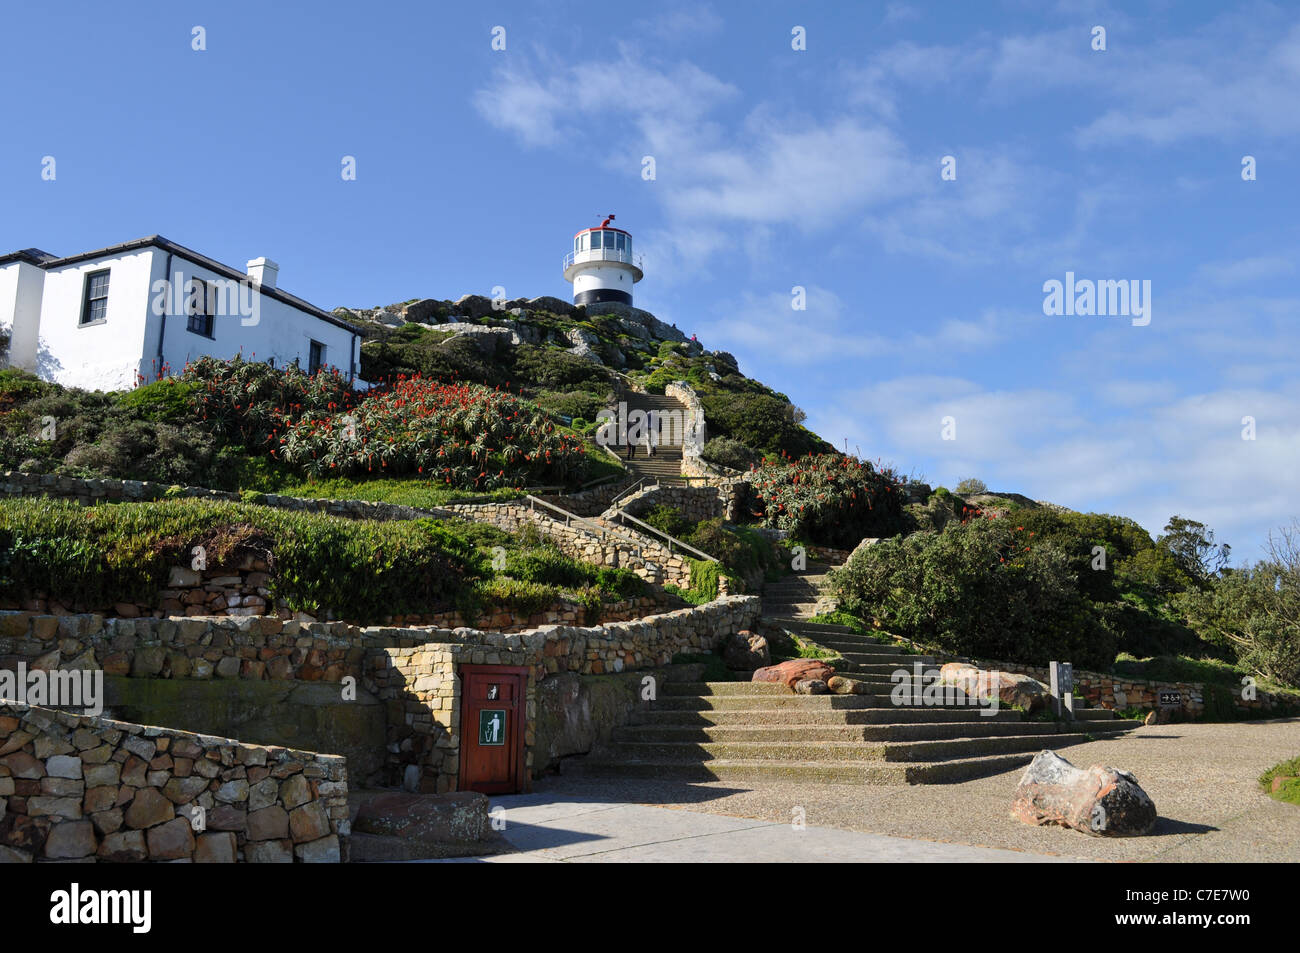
(492, 727)
(1171, 699)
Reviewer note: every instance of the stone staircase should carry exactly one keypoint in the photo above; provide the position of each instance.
(666, 464)
(757, 731)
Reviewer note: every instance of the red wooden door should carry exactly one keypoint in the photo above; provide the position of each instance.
(492, 711)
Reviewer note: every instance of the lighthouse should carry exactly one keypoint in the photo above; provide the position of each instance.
(602, 266)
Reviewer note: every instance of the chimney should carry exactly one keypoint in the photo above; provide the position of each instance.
(263, 271)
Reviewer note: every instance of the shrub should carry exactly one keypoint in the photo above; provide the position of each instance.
(977, 589)
(728, 452)
(460, 435)
(971, 486)
(668, 520)
(827, 499)
(100, 555)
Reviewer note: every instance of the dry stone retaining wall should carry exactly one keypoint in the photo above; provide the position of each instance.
(1116, 692)
(410, 669)
(647, 559)
(89, 789)
(695, 503)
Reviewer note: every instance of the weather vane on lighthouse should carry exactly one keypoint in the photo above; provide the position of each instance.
(602, 266)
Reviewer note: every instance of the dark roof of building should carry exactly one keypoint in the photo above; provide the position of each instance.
(45, 260)
(32, 256)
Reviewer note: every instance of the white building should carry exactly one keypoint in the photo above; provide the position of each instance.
(602, 266)
(103, 319)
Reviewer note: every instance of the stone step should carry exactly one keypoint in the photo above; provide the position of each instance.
(890, 715)
(917, 731)
(806, 702)
(872, 773)
(946, 749)
(803, 625)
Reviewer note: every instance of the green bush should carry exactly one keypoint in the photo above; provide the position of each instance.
(978, 589)
(93, 557)
(668, 520)
(971, 486)
(828, 499)
(728, 452)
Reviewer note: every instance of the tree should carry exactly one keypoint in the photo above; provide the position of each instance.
(972, 486)
(1256, 610)
(1194, 550)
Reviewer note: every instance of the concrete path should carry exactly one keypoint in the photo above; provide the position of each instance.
(1201, 776)
(553, 828)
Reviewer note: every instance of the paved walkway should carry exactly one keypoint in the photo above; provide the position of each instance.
(1202, 778)
(559, 828)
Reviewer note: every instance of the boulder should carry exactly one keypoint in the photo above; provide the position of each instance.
(794, 671)
(1012, 688)
(1102, 801)
(426, 819)
(473, 306)
(839, 685)
(810, 686)
(746, 651)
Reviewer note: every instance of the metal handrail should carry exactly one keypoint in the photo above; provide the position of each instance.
(604, 254)
(601, 531)
(672, 541)
(635, 487)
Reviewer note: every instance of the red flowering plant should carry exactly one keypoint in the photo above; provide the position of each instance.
(462, 435)
(827, 498)
(248, 402)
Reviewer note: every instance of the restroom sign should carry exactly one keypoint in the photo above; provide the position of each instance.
(492, 726)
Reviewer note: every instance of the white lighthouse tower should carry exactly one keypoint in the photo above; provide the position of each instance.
(602, 266)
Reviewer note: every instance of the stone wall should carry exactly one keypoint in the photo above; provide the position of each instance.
(243, 590)
(90, 789)
(647, 559)
(420, 685)
(695, 503)
(1117, 692)
(410, 669)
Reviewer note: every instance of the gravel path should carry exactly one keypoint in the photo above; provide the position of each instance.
(1202, 778)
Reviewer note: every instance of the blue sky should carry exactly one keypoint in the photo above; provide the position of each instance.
(774, 168)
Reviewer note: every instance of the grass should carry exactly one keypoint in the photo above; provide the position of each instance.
(1289, 792)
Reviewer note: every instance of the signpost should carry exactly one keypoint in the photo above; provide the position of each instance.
(1062, 674)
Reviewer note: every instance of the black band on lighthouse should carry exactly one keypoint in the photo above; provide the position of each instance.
(602, 294)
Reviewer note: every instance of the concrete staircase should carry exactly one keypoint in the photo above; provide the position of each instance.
(666, 464)
(758, 731)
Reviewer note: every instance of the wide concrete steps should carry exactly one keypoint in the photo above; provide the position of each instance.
(759, 717)
(797, 733)
(756, 731)
(803, 772)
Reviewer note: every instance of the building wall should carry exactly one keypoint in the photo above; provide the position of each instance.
(21, 285)
(272, 329)
(41, 309)
(103, 356)
(608, 275)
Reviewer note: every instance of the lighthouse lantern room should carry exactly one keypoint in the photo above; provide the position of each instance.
(602, 266)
